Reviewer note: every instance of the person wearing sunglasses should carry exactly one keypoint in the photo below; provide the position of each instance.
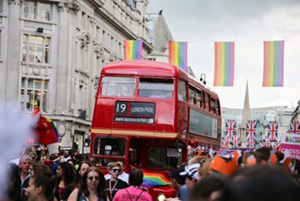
(122, 175)
(114, 184)
(92, 187)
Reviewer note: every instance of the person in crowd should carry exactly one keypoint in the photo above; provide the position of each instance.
(114, 184)
(40, 188)
(209, 188)
(122, 175)
(178, 183)
(39, 168)
(65, 176)
(191, 175)
(72, 162)
(25, 164)
(82, 168)
(261, 182)
(92, 187)
(133, 192)
(14, 191)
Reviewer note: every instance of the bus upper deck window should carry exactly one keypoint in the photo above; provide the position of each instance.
(207, 100)
(118, 86)
(156, 88)
(213, 105)
(182, 90)
(199, 99)
(192, 95)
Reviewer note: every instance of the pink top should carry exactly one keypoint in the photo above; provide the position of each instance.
(132, 194)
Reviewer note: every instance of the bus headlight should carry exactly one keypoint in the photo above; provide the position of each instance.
(161, 197)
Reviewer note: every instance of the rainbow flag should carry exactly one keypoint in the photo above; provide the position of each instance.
(154, 179)
(224, 64)
(273, 63)
(133, 49)
(178, 54)
(45, 130)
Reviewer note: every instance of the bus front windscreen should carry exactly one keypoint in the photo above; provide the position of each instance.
(118, 86)
(109, 146)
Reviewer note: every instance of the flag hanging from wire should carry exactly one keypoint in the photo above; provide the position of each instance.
(224, 64)
(273, 63)
(133, 49)
(178, 54)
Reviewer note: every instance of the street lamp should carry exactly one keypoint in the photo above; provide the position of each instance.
(203, 78)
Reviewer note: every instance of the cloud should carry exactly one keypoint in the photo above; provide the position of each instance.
(248, 24)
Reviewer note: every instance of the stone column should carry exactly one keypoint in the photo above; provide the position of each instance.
(13, 52)
(63, 57)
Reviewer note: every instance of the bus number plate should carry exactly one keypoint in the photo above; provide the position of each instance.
(121, 107)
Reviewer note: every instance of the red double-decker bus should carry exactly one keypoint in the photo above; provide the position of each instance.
(146, 114)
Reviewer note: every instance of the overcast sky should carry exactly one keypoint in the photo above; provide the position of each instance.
(248, 23)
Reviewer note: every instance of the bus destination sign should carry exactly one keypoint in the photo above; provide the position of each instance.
(142, 109)
(137, 112)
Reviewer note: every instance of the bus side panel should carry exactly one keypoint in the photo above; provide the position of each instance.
(166, 114)
(182, 122)
(103, 115)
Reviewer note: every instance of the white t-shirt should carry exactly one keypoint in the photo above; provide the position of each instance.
(124, 177)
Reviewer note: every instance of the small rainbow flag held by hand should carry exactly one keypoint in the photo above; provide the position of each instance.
(133, 49)
(154, 179)
(224, 64)
(178, 54)
(273, 63)
(45, 130)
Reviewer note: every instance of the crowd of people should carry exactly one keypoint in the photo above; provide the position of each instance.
(263, 174)
(73, 177)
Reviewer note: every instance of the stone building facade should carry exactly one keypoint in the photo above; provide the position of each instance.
(52, 53)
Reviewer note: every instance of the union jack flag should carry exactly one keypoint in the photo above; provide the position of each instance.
(273, 131)
(224, 140)
(235, 141)
(251, 127)
(294, 127)
(230, 130)
(266, 142)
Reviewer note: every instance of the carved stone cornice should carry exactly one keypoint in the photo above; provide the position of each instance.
(66, 6)
(97, 3)
(98, 49)
(15, 2)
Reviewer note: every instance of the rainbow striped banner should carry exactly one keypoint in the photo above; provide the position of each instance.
(154, 179)
(273, 63)
(178, 54)
(224, 64)
(133, 49)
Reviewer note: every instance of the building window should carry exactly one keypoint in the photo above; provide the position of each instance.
(34, 94)
(37, 10)
(36, 49)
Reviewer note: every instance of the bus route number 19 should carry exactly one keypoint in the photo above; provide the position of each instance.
(121, 107)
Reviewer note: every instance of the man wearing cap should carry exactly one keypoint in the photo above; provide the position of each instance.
(191, 175)
(178, 183)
